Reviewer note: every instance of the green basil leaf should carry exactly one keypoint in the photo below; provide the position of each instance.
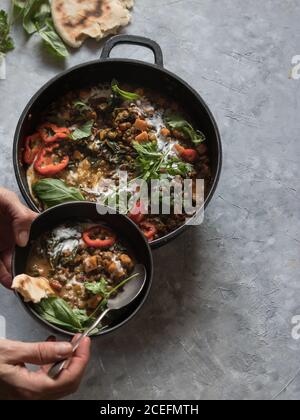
(65, 313)
(57, 311)
(98, 288)
(129, 96)
(42, 14)
(81, 106)
(81, 315)
(175, 122)
(28, 13)
(19, 4)
(52, 191)
(83, 132)
(53, 41)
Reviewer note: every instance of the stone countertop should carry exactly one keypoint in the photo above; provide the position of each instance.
(218, 321)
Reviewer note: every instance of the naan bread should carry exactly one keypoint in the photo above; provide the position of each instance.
(76, 20)
(33, 289)
(128, 3)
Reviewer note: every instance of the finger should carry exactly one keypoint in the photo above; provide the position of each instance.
(74, 340)
(50, 339)
(36, 353)
(78, 363)
(20, 215)
(21, 225)
(5, 277)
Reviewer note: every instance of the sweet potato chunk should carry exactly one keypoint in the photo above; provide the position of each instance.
(126, 261)
(141, 125)
(165, 132)
(142, 137)
(90, 264)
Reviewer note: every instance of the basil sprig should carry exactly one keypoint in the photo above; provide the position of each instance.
(151, 163)
(58, 312)
(36, 18)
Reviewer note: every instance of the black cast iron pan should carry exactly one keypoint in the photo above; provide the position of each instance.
(128, 71)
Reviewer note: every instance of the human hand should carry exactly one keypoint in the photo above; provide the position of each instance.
(15, 222)
(18, 383)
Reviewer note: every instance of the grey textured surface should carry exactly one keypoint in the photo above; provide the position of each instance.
(218, 322)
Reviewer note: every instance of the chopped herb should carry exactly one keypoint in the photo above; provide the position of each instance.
(81, 106)
(83, 132)
(128, 96)
(57, 248)
(175, 122)
(103, 303)
(98, 288)
(6, 42)
(152, 163)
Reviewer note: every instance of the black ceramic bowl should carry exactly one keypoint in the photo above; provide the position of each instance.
(122, 225)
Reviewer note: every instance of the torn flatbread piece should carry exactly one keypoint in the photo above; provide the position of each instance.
(76, 20)
(33, 289)
(128, 3)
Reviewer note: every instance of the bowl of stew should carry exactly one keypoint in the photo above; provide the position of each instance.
(75, 260)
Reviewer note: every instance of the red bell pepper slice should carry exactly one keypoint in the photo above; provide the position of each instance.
(188, 155)
(51, 133)
(47, 163)
(99, 237)
(33, 145)
(149, 230)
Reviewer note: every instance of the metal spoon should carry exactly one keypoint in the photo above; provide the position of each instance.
(131, 291)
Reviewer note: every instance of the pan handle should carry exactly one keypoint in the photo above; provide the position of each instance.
(134, 40)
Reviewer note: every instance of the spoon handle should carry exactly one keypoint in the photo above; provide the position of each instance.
(56, 369)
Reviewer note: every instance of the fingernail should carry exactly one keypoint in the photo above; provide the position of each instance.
(63, 349)
(23, 238)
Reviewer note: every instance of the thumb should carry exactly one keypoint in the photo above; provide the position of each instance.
(21, 225)
(21, 217)
(37, 353)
